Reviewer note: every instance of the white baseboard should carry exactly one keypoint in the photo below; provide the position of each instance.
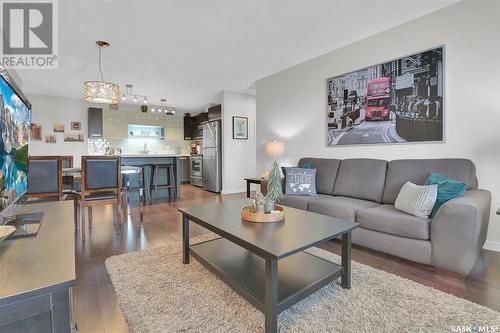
(234, 190)
(493, 246)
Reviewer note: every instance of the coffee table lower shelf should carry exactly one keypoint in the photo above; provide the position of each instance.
(299, 274)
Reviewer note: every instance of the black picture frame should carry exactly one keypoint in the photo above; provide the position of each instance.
(240, 133)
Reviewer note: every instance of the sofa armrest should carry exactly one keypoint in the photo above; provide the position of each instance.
(458, 231)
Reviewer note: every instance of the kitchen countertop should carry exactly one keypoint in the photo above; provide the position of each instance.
(153, 155)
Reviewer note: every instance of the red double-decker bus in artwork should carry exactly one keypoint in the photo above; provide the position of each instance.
(378, 99)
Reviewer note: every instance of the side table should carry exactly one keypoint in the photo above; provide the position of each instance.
(252, 180)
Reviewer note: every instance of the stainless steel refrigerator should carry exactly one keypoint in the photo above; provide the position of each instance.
(212, 156)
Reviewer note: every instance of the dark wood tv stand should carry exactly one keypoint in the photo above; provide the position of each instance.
(37, 273)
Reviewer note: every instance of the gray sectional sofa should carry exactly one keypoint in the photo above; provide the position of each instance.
(364, 190)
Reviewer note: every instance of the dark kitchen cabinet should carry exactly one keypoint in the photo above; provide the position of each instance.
(196, 126)
(188, 128)
(214, 112)
(192, 129)
(95, 123)
(202, 117)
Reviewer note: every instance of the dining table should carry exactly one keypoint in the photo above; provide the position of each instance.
(72, 176)
(77, 171)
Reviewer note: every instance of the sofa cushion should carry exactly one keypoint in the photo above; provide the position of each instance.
(361, 178)
(300, 201)
(417, 172)
(386, 218)
(326, 172)
(341, 207)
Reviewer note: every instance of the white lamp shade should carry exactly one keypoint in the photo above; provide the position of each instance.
(275, 149)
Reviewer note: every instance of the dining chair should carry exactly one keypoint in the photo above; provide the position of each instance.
(67, 161)
(45, 177)
(100, 186)
(68, 181)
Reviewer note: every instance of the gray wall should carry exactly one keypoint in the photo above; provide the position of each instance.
(291, 105)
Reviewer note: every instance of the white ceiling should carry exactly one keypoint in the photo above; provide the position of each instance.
(188, 51)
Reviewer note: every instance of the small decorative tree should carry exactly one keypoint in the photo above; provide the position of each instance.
(274, 190)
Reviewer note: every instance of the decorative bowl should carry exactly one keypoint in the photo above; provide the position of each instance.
(6, 231)
(248, 214)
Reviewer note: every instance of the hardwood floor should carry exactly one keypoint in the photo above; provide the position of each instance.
(96, 308)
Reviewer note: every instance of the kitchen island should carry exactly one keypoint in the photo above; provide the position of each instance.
(147, 162)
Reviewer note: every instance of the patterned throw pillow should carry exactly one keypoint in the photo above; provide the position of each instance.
(300, 181)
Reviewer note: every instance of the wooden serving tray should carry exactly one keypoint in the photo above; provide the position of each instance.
(248, 215)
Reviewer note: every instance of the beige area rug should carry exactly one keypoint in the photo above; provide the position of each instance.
(157, 293)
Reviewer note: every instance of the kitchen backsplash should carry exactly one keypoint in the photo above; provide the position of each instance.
(134, 145)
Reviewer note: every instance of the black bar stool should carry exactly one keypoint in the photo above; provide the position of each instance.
(146, 180)
(126, 172)
(171, 186)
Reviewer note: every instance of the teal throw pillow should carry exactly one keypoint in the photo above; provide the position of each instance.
(447, 189)
(306, 166)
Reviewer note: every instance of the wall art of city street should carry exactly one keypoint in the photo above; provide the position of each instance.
(398, 101)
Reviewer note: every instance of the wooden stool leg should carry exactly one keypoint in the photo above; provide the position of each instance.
(116, 216)
(141, 206)
(152, 185)
(120, 215)
(125, 207)
(82, 220)
(90, 216)
(143, 185)
(172, 181)
(76, 207)
(155, 182)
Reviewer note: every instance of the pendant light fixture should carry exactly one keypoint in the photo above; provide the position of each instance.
(101, 91)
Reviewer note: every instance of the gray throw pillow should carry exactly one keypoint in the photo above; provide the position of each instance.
(300, 181)
(416, 200)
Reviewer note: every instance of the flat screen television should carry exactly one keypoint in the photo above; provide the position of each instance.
(15, 118)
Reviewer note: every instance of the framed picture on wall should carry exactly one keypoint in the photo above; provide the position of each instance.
(240, 128)
(50, 138)
(76, 126)
(36, 132)
(73, 137)
(398, 101)
(58, 128)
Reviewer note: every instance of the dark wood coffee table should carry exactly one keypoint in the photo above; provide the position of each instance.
(265, 262)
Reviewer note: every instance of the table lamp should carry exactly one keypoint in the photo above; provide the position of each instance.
(275, 149)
